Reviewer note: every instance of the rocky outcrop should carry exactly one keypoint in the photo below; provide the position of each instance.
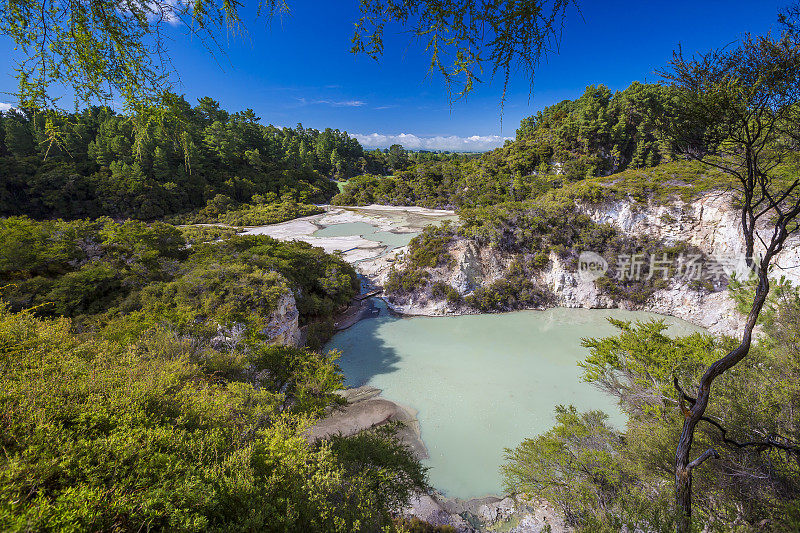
(473, 266)
(714, 311)
(710, 223)
(283, 326)
(491, 513)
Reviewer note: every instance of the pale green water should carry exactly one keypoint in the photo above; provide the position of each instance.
(346, 229)
(368, 231)
(482, 382)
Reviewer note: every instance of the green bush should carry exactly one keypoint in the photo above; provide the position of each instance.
(405, 281)
(198, 234)
(230, 213)
(441, 290)
(318, 333)
(83, 268)
(165, 433)
(150, 399)
(515, 290)
(429, 249)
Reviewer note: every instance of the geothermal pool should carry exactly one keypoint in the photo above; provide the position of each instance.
(359, 233)
(389, 239)
(481, 383)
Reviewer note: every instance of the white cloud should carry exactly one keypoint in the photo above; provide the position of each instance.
(334, 103)
(348, 103)
(4, 107)
(475, 143)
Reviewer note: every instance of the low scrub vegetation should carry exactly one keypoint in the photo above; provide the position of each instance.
(140, 389)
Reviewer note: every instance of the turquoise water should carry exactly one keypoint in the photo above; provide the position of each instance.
(481, 383)
(346, 230)
(369, 232)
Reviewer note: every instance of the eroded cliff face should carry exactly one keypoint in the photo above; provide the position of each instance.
(283, 326)
(711, 223)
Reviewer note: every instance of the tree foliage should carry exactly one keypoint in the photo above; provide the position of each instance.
(151, 164)
(466, 38)
(100, 49)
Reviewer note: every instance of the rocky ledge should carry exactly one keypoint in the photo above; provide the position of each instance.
(366, 409)
(510, 514)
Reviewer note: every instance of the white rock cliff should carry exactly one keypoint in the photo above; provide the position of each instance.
(711, 223)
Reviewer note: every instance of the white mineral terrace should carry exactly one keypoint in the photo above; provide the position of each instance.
(358, 232)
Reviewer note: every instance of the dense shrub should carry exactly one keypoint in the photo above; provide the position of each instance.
(442, 291)
(318, 333)
(404, 281)
(140, 391)
(161, 432)
(429, 249)
(85, 267)
(266, 210)
(197, 234)
(515, 290)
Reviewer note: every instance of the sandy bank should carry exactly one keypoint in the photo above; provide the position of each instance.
(364, 410)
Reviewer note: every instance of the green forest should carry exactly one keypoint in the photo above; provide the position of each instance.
(598, 134)
(193, 163)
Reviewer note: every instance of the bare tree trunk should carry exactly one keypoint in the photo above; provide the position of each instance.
(683, 485)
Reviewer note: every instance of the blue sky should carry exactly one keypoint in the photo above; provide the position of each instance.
(299, 68)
